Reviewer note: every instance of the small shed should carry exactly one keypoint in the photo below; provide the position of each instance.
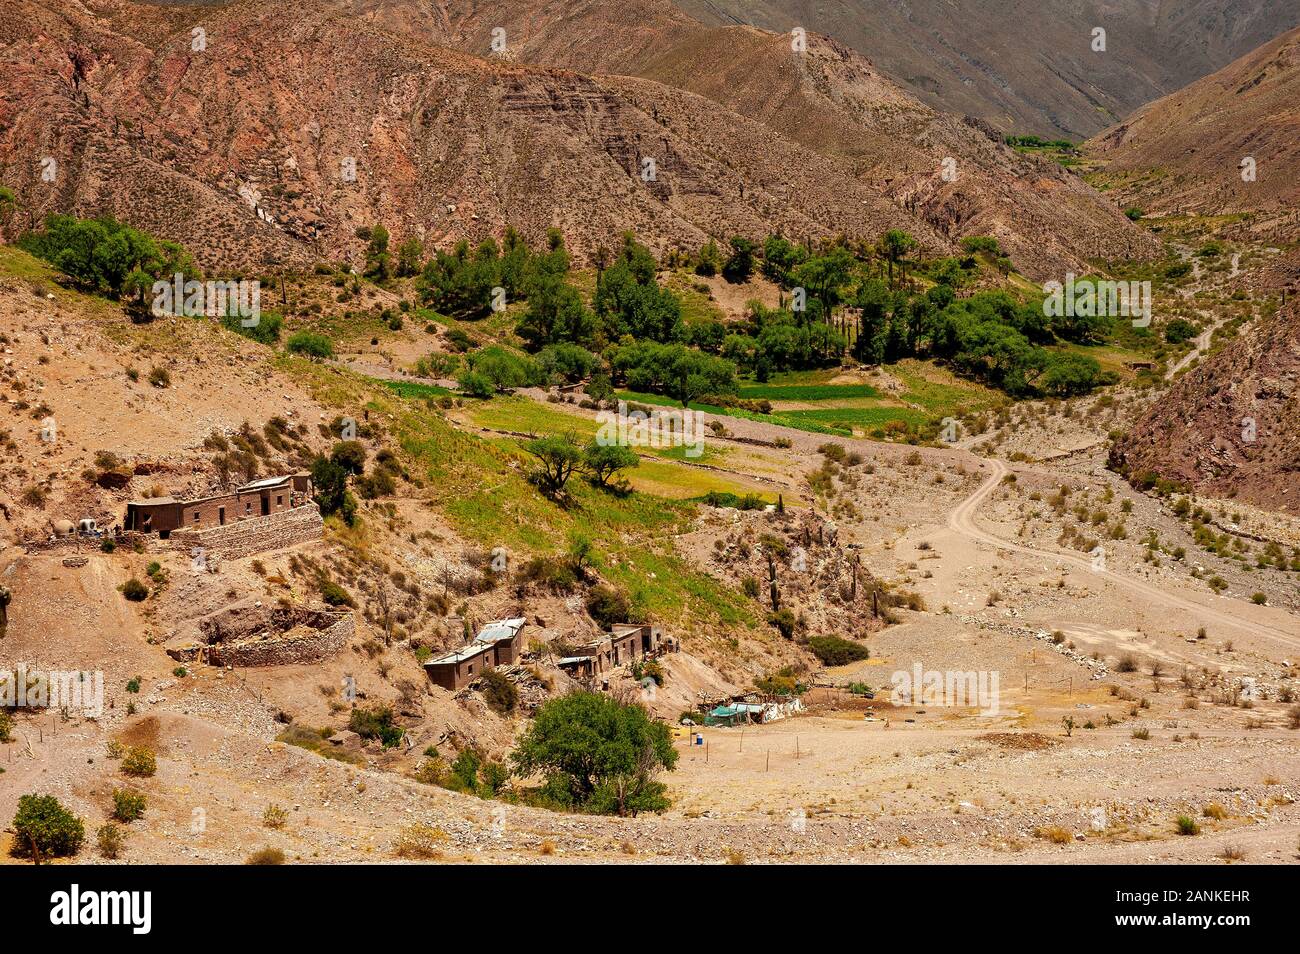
(726, 716)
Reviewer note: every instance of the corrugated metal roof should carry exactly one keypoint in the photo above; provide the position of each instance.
(459, 655)
(500, 629)
(263, 483)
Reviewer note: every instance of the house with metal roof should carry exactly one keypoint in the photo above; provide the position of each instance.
(498, 643)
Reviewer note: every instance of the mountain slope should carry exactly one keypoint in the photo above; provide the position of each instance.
(1027, 65)
(828, 99)
(1184, 153)
(237, 149)
(1199, 432)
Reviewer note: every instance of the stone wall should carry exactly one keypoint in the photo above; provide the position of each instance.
(309, 647)
(246, 537)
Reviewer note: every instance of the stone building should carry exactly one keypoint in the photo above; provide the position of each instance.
(260, 498)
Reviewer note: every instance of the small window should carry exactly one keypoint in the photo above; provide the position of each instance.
(196, 516)
(248, 508)
(279, 500)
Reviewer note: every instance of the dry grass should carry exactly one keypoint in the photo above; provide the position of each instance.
(1054, 833)
(420, 841)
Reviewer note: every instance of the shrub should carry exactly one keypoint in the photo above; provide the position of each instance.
(275, 816)
(335, 595)
(6, 725)
(311, 344)
(1187, 825)
(499, 692)
(160, 378)
(607, 606)
(135, 591)
(41, 822)
(1216, 811)
(835, 651)
(108, 839)
(376, 723)
(1054, 833)
(139, 762)
(127, 805)
(1259, 599)
(784, 622)
(419, 841)
(265, 856)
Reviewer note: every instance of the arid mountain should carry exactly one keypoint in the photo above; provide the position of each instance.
(1188, 152)
(240, 148)
(1028, 66)
(1228, 427)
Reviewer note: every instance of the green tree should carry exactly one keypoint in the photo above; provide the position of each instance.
(740, 264)
(330, 479)
(350, 455)
(598, 754)
(709, 261)
(603, 461)
(559, 456)
(379, 263)
(894, 246)
(410, 257)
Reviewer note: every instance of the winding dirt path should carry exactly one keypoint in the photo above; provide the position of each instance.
(962, 521)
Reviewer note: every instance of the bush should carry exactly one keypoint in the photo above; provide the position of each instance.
(476, 385)
(139, 762)
(834, 651)
(311, 344)
(160, 378)
(499, 692)
(275, 816)
(784, 621)
(127, 805)
(109, 840)
(607, 606)
(43, 823)
(1187, 825)
(335, 595)
(135, 591)
(419, 841)
(376, 723)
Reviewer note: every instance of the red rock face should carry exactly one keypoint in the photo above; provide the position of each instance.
(1231, 426)
(237, 150)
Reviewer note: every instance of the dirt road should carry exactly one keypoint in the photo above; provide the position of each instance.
(962, 521)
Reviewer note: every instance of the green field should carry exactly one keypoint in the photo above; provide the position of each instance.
(414, 389)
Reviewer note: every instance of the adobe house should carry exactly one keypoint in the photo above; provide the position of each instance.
(499, 643)
(260, 498)
(506, 638)
(460, 667)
